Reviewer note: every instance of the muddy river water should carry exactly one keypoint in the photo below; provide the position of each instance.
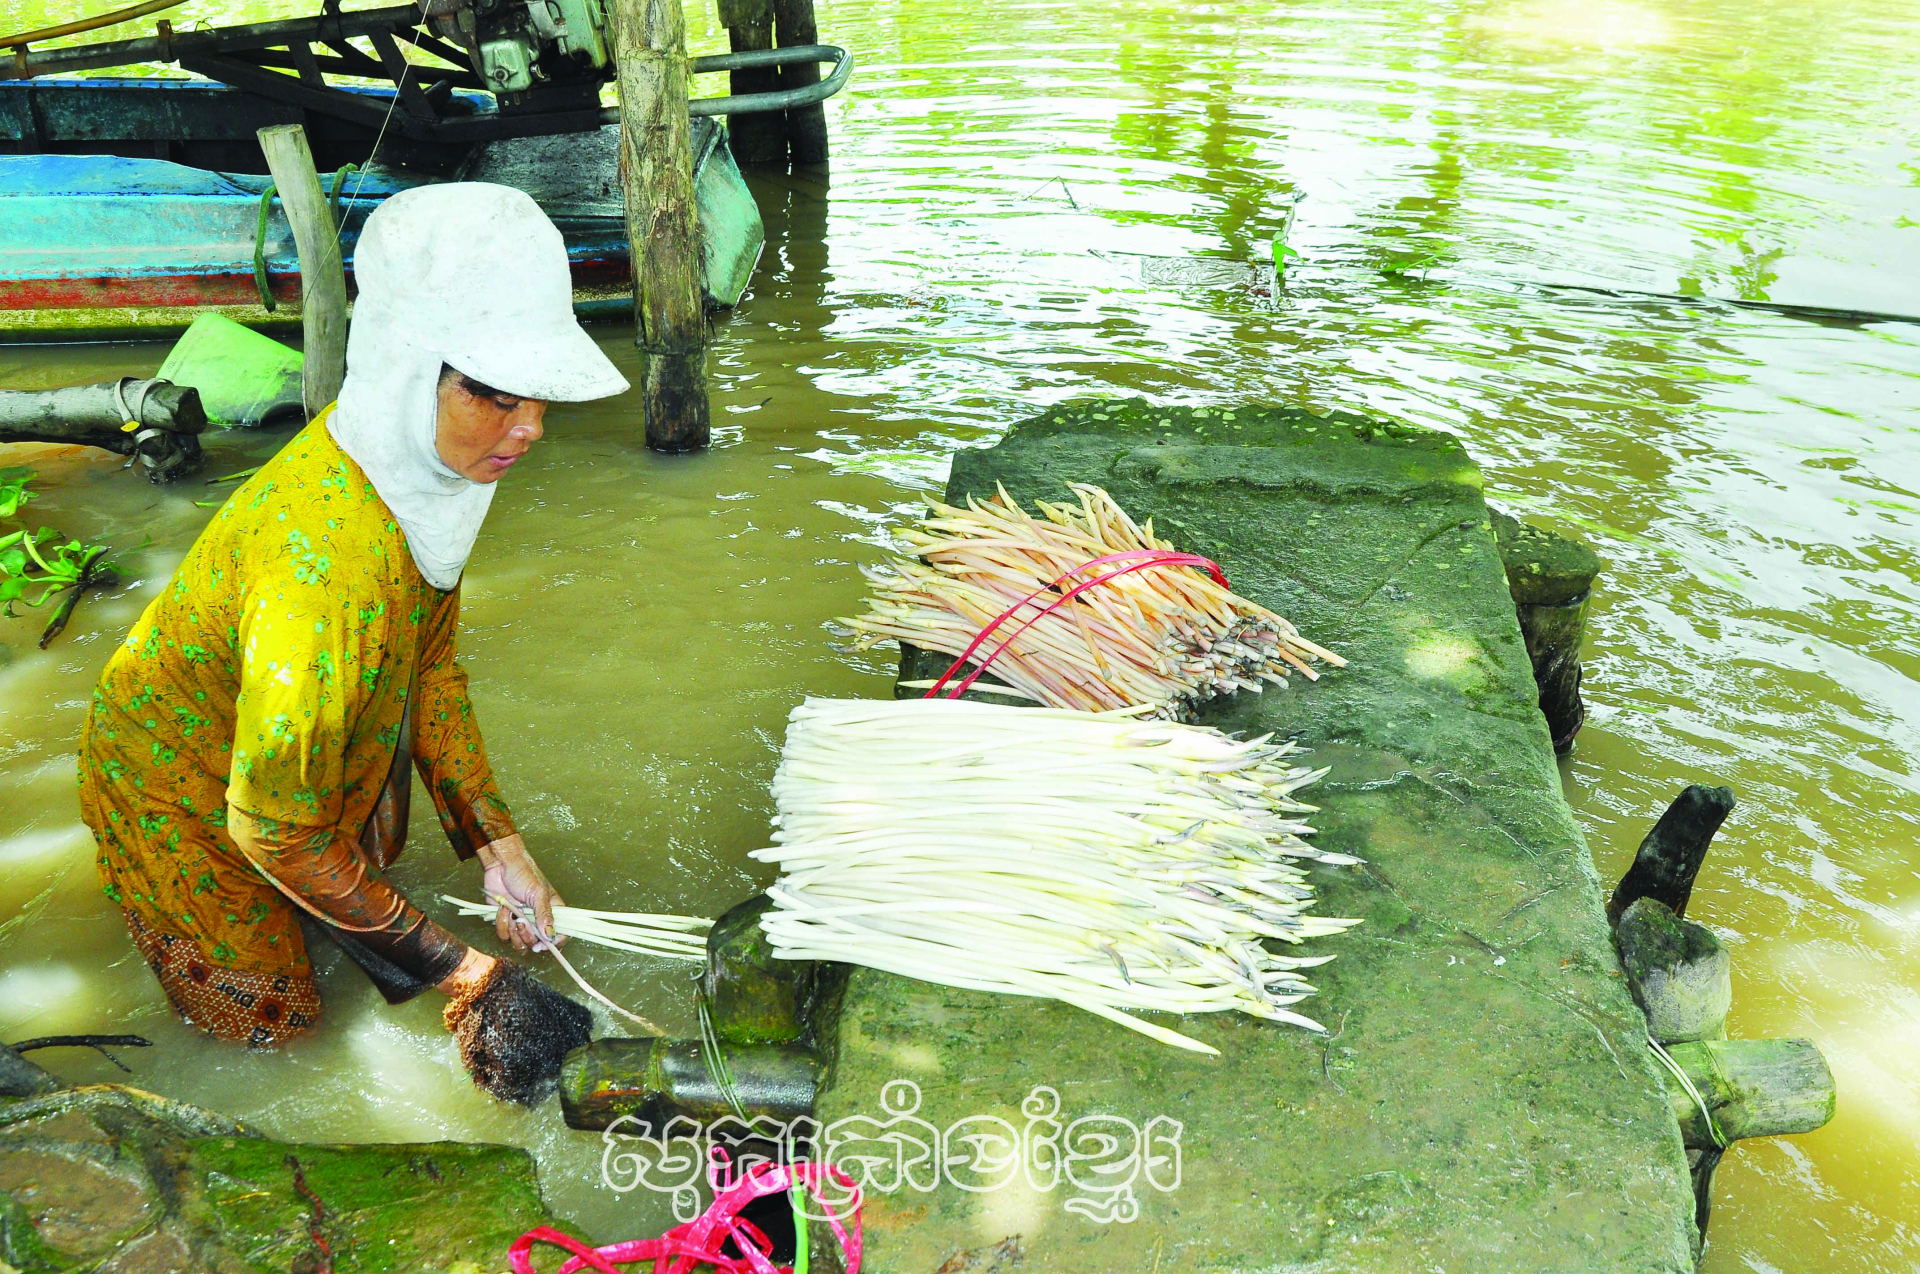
(1005, 176)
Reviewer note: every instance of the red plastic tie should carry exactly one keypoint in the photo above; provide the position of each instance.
(1151, 557)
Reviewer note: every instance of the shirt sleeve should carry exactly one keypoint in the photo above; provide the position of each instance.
(317, 706)
(447, 747)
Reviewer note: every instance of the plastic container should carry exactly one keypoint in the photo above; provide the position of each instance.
(244, 378)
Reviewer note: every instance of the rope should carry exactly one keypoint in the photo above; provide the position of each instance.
(1150, 557)
(398, 85)
(716, 1059)
(544, 943)
(705, 1240)
(130, 417)
(1720, 1141)
(267, 302)
(339, 183)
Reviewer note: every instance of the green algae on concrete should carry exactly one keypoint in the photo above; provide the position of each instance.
(113, 1179)
(1484, 1099)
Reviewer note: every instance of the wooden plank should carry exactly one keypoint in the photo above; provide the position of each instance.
(323, 282)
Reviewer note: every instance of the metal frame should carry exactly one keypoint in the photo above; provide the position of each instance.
(250, 57)
(751, 103)
(245, 56)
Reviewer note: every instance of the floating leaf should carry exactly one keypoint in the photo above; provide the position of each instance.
(14, 482)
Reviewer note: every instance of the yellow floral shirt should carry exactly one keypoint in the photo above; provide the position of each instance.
(271, 675)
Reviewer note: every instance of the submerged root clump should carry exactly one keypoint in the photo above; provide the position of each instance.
(514, 1031)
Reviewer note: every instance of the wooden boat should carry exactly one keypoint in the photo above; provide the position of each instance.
(141, 227)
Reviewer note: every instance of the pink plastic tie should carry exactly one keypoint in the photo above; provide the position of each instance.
(699, 1242)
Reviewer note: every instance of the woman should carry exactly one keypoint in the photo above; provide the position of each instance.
(246, 757)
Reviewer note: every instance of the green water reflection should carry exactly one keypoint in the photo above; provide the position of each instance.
(639, 626)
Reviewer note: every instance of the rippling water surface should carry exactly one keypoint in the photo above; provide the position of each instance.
(1008, 181)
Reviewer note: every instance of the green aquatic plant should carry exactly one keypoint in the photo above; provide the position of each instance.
(1414, 266)
(38, 560)
(14, 483)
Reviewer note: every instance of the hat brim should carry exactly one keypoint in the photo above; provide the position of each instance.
(561, 365)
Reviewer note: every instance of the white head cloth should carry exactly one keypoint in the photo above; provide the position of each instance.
(474, 276)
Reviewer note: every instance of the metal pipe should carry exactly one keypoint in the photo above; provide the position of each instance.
(750, 103)
(94, 23)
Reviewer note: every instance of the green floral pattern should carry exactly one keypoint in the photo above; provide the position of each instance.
(271, 675)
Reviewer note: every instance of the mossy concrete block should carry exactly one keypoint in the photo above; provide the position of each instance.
(1677, 970)
(1484, 1098)
(110, 1178)
(752, 997)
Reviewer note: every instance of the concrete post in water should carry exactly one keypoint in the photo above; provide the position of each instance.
(752, 996)
(656, 175)
(806, 125)
(758, 137)
(1551, 579)
(1668, 860)
(1755, 1088)
(1680, 975)
(654, 1081)
(323, 281)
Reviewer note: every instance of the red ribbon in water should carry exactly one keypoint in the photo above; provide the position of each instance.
(699, 1242)
(1152, 557)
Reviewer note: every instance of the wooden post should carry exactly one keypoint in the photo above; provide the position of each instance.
(656, 175)
(758, 137)
(323, 280)
(806, 125)
(1669, 858)
(1551, 579)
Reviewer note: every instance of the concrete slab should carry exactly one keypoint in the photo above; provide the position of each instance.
(1485, 1101)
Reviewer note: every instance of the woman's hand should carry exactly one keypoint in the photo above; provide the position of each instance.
(512, 874)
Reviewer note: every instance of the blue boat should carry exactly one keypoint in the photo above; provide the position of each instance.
(108, 246)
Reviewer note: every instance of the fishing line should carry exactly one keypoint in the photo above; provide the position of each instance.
(399, 85)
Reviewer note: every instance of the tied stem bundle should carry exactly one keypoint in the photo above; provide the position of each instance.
(1110, 863)
(643, 933)
(1080, 608)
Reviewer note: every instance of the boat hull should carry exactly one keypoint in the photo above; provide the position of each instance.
(111, 247)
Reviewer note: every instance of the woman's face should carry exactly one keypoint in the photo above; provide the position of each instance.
(479, 436)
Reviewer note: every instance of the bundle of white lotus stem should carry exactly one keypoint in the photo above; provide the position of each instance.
(1103, 861)
(643, 933)
(1153, 632)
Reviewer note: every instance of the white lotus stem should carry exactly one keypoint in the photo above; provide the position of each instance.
(1109, 863)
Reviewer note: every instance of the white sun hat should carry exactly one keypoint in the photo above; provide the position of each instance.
(473, 277)
(479, 274)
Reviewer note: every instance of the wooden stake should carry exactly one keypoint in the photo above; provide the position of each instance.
(759, 137)
(656, 176)
(323, 280)
(806, 125)
(1669, 858)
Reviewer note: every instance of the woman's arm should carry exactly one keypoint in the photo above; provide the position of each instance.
(447, 747)
(323, 668)
(452, 759)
